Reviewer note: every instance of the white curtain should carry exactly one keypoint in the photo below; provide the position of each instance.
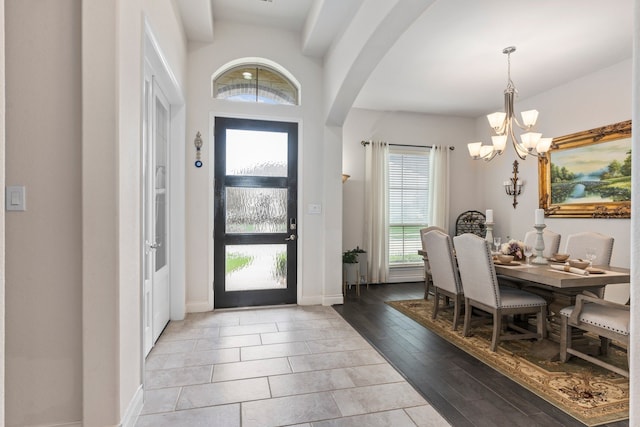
(376, 221)
(439, 186)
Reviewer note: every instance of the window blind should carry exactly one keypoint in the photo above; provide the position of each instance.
(408, 204)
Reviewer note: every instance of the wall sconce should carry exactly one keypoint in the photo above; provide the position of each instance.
(197, 142)
(513, 187)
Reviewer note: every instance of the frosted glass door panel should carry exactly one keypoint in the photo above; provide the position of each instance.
(251, 267)
(161, 130)
(256, 210)
(256, 153)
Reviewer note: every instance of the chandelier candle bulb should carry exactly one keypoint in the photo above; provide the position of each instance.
(474, 149)
(496, 119)
(529, 117)
(499, 142)
(539, 216)
(544, 145)
(489, 215)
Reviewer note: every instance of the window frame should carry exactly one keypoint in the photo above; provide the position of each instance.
(424, 153)
(285, 91)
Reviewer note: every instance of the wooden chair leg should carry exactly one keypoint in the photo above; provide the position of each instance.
(456, 311)
(565, 339)
(605, 343)
(541, 322)
(436, 302)
(497, 328)
(427, 285)
(467, 317)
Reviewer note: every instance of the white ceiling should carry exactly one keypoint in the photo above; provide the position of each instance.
(450, 60)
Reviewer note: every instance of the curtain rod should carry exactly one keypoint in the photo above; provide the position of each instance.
(365, 143)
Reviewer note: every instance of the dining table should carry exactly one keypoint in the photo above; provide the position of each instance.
(559, 288)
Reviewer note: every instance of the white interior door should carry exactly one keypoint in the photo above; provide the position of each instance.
(156, 287)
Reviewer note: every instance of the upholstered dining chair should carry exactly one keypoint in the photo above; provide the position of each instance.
(577, 244)
(481, 290)
(608, 320)
(550, 238)
(428, 283)
(444, 272)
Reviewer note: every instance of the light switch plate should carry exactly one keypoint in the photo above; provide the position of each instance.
(15, 198)
(314, 209)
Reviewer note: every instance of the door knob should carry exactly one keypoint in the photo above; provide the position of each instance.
(152, 246)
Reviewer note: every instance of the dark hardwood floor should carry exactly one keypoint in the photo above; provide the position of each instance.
(465, 391)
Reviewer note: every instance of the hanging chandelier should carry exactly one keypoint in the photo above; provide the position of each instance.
(502, 123)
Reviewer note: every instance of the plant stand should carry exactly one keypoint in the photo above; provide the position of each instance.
(350, 276)
(364, 268)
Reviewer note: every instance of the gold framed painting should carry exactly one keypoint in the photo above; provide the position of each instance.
(588, 174)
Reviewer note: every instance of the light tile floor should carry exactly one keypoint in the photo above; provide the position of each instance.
(294, 365)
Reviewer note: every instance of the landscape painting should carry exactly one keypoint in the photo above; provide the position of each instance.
(588, 174)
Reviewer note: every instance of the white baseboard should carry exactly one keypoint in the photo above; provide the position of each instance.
(322, 300)
(72, 424)
(133, 410)
(314, 300)
(198, 307)
(333, 299)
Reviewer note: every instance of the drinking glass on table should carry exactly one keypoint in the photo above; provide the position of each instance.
(528, 251)
(496, 243)
(590, 254)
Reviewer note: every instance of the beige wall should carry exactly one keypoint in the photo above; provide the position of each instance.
(44, 251)
(73, 342)
(112, 87)
(2, 233)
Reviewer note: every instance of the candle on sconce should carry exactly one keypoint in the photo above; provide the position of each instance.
(539, 216)
(489, 215)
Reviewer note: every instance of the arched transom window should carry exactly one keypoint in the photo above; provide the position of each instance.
(255, 83)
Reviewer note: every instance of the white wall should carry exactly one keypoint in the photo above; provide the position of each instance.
(232, 42)
(404, 128)
(595, 100)
(44, 251)
(634, 348)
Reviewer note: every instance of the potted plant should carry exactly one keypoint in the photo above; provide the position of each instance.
(350, 267)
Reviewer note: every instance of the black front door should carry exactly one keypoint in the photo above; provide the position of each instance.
(255, 223)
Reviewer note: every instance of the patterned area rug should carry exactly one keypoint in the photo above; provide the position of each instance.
(592, 395)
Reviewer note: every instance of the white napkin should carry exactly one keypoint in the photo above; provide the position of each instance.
(569, 269)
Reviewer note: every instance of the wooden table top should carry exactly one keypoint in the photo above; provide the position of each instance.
(543, 274)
